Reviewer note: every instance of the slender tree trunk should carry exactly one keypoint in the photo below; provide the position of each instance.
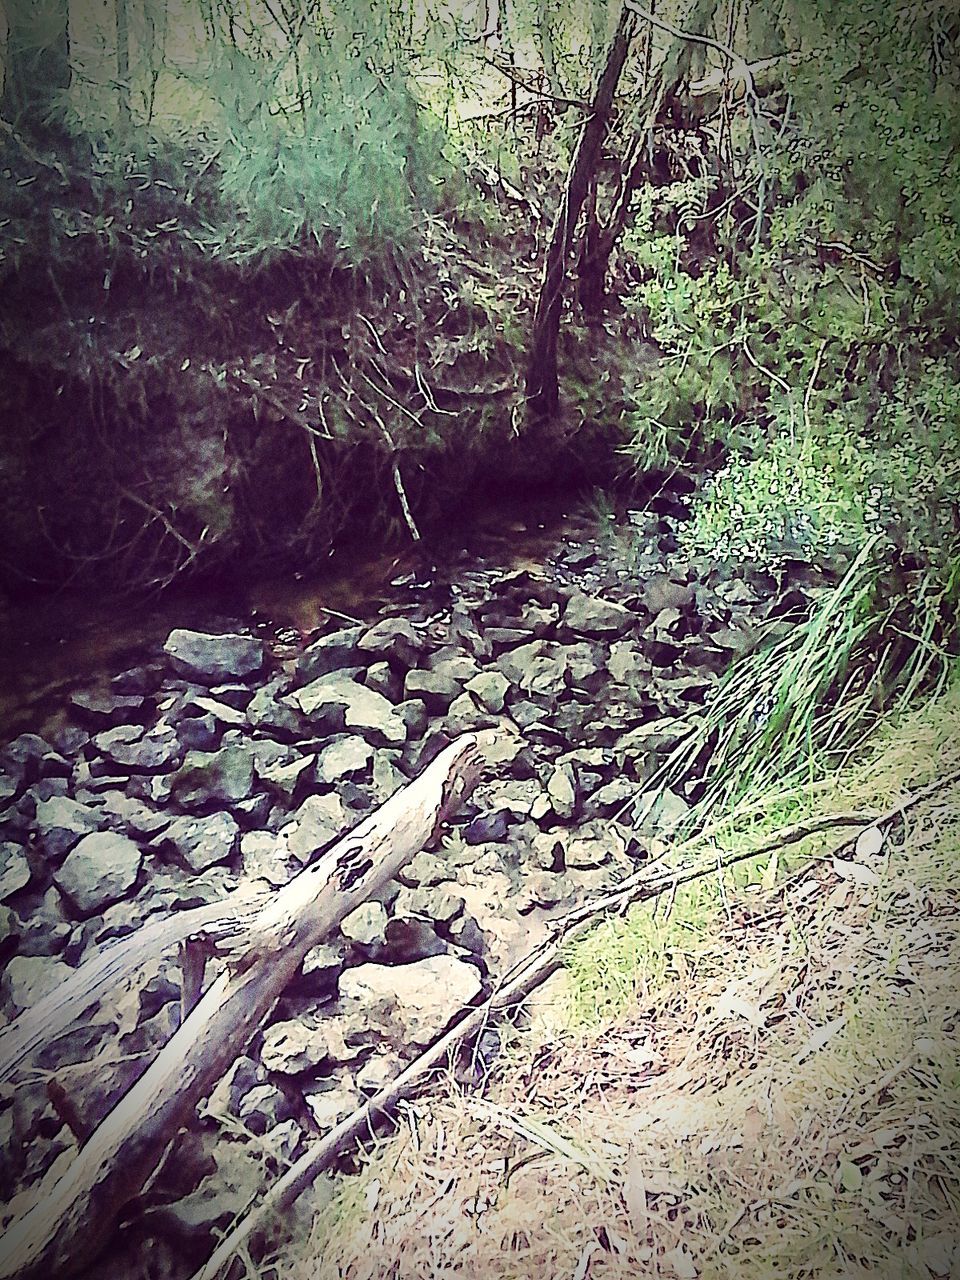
(543, 392)
(599, 241)
(36, 62)
(123, 61)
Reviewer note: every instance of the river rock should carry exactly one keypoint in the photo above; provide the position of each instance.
(336, 701)
(199, 843)
(319, 821)
(365, 925)
(131, 750)
(102, 708)
(61, 822)
(562, 790)
(436, 689)
(320, 967)
(330, 653)
(29, 757)
(285, 778)
(129, 815)
(437, 905)
(593, 616)
(382, 678)
(349, 757)
(207, 779)
(329, 1106)
(27, 979)
(212, 659)
(418, 1001)
(229, 716)
(101, 869)
(267, 713)
(14, 869)
(308, 1043)
(611, 797)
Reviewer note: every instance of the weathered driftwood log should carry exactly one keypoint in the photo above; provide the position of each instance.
(71, 1215)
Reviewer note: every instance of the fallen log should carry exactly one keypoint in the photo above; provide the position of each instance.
(71, 1215)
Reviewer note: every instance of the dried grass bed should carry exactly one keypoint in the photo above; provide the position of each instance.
(778, 1097)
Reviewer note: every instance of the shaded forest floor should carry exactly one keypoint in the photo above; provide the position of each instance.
(759, 1081)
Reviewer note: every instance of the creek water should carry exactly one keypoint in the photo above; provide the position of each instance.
(52, 644)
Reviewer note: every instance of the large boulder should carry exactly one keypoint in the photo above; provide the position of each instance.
(212, 659)
(102, 869)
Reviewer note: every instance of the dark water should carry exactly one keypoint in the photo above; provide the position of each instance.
(70, 639)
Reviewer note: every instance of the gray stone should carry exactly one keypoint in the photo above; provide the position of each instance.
(330, 653)
(126, 813)
(263, 1107)
(14, 869)
(627, 663)
(378, 1071)
(416, 1001)
(231, 717)
(29, 757)
(491, 688)
(27, 979)
(103, 708)
(336, 701)
(319, 821)
(211, 659)
(454, 665)
(464, 713)
(395, 639)
(207, 779)
(321, 965)
(347, 757)
(437, 904)
(413, 713)
(200, 733)
(199, 843)
(387, 778)
(307, 1043)
(266, 856)
(562, 790)
(329, 1106)
(614, 795)
(436, 689)
(101, 869)
(365, 925)
(594, 616)
(424, 869)
(267, 713)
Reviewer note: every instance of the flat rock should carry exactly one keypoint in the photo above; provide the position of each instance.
(210, 778)
(102, 708)
(61, 822)
(212, 659)
(336, 701)
(594, 616)
(419, 1000)
(329, 1107)
(101, 869)
(394, 639)
(319, 821)
(562, 790)
(307, 1043)
(266, 712)
(129, 749)
(14, 869)
(330, 653)
(199, 843)
(348, 757)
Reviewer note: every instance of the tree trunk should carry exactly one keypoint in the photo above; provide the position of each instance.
(123, 61)
(543, 392)
(600, 241)
(36, 62)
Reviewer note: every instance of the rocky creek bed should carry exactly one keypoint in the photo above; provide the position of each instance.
(223, 758)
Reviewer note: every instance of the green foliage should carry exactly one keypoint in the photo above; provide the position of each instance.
(817, 346)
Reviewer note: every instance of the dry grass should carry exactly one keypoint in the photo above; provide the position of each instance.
(773, 1092)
